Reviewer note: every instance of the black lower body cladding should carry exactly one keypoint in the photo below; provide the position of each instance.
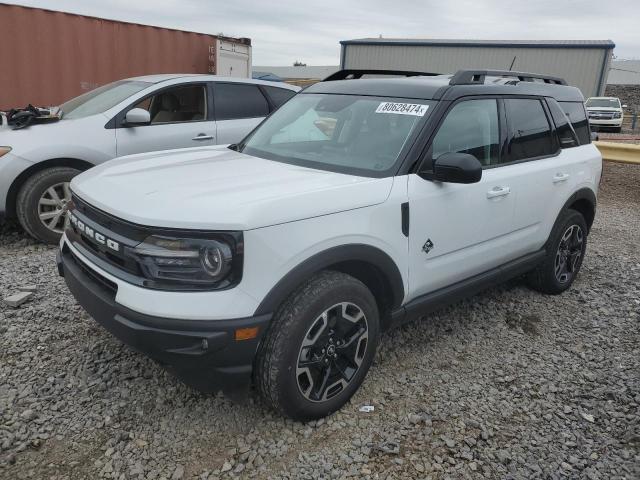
(203, 354)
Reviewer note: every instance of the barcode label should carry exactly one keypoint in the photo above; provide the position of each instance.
(415, 109)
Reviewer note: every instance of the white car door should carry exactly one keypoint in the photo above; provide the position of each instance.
(239, 108)
(547, 166)
(181, 117)
(461, 230)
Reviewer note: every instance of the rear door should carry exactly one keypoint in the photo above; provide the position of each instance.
(239, 108)
(458, 230)
(180, 117)
(540, 149)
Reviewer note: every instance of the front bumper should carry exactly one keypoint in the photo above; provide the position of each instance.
(599, 122)
(202, 353)
(11, 166)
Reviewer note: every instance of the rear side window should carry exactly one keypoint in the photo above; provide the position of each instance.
(237, 100)
(278, 95)
(470, 127)
(530, 132)
(578, 117)
(566, 135)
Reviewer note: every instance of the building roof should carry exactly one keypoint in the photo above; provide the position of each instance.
(441, 42)
(289, 72)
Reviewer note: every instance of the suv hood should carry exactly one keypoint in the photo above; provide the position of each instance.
(214, 188)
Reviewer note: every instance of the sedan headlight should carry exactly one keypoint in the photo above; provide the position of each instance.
(4, 150)
(189, 263)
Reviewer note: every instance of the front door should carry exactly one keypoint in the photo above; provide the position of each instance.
(179, 119)
(461, 230)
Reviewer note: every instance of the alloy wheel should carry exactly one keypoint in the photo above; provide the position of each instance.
(332, 351)
(53, 206)
(568, 254)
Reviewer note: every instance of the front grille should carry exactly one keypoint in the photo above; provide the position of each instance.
(601, 115)
(110, 232)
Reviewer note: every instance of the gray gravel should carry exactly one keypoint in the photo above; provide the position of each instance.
(509, 384)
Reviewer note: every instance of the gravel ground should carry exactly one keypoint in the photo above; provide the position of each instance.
(509, 384)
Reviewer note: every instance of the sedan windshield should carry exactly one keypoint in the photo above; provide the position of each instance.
(603, 103)
(345, 133)
(101, 99)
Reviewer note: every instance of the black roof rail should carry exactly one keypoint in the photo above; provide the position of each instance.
(358, 73)
(475, 77)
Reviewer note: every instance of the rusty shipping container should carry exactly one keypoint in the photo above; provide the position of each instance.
(48, 57)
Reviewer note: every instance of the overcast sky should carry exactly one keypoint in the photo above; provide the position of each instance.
(283, 31)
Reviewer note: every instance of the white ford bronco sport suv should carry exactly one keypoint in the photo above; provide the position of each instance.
(360, 204)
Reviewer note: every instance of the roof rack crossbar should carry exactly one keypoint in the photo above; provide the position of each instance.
(358, 73)
(474, 77)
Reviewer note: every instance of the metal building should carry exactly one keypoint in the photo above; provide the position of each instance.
(624, 72)
(48, 57)
(583, 63)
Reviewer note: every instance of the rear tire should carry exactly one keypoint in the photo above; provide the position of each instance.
(565, 251)
(42, 201)
(324, 335)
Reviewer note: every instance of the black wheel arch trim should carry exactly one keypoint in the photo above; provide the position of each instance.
(584, 193)
(325, 260)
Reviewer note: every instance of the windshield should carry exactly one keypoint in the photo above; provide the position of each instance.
(346, 133)
(101, 99)
(603, 103)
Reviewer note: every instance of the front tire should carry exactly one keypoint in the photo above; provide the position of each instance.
(319, 347)
(565, 251)
(42, 202)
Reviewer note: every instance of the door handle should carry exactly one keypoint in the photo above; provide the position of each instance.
(498, 192)
(202, 136)
(560, 177)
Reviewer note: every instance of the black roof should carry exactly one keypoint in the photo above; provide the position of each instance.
(439, 88)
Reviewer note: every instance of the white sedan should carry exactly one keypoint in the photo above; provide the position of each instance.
(136, 115)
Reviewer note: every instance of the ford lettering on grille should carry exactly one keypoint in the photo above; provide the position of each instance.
(93, 234)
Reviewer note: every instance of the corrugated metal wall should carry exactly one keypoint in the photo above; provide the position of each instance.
(48, 57)
(580, 67)
(624, 72)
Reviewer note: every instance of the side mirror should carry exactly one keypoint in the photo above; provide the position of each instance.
(137, 116)
(624, 106)
(455, 167)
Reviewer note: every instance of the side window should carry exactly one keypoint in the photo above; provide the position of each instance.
(565, 131)
(470, 127)
(530, 132)
(237, 100)
(578, 117)
(179, 104)
(278, 96)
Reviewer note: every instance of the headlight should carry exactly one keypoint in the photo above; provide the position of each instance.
(4, 150)
(617, 115)
(190, 263)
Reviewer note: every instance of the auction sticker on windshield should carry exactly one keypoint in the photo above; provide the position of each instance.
(415, 109)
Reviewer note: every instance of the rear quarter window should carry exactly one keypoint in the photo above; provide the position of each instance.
(566, 134)
(578, 117)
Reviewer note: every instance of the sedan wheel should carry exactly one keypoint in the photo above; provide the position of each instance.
(53, 205)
